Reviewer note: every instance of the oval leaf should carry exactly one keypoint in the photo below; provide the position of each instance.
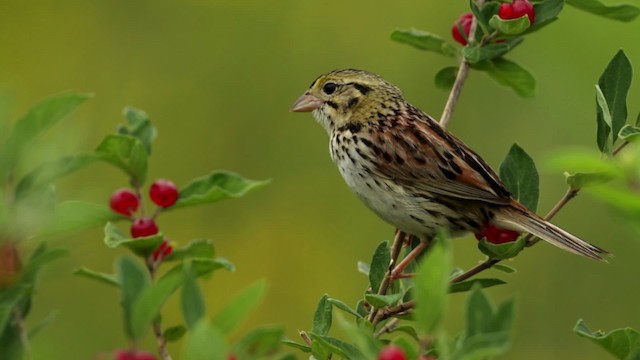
(519, 174)
(239, 308)
(622, 12)
(446, 77)
(322, 316)
(622, 343)
(38, 119)
(431, 285)
(126, 153)
(512, 75)
(424, 41)
(510, 26)
(611, 98)
(193, 306)
(215, 187)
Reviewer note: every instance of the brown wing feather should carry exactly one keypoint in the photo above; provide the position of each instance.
(415, 147)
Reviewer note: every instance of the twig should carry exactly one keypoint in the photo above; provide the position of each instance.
(461, 77)
(397, 271)
(398, 241)
(387, 328)
(152, 266)
(22, 330)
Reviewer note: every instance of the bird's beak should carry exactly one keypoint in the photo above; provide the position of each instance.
(306, 103)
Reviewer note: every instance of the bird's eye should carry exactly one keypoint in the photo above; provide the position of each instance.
(329, 88)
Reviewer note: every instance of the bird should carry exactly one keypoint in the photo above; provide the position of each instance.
(412, 172)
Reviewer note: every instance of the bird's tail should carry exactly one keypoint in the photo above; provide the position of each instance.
(517, 219)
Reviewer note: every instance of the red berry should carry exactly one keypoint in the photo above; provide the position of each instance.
(132, 355)
(162, 251)
(163, 193)
(517, 9)
(124, 201)
(232, 356)
(496, 235)
(392, 352)
(143, 227)
(465, 22)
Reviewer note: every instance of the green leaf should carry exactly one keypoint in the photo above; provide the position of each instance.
(304, 348)
(206, 342)
(193, 306)
(339, 347)
(174, 333)
(546, 12)
(383, 300)
(217, 186)
(143, 246)
(623, 343)
(344, 307)
(611, 97)
(379, 265)
(239, 308)
(583, 161)
(469, 284)
(431, 285)
(38, 119)
(510, 74)
(605, 140)
(625, 200)
(424, 41)
(519, 174)
(445, 78)
(504, 268)
(146, 307)
(78, 215)
(622, 12)
(108, 279)
(479, 313)
(126, 153)
(201, 266)
(134, 280)
(580, 180)
(629, 132)
(511, 26)
(360, 334)
(139, 126)
(502, 251)
(201, 248)
(259, 342)
(322, 316)
(476, 53)
(483, 14)
(48, 172)
(41, 256)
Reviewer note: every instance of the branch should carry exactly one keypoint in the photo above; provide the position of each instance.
(398, 241)
(461, 76)
(152, 266)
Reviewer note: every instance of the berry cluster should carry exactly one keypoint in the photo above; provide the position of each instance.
(495, 235)
(506, 11)
(125, 201)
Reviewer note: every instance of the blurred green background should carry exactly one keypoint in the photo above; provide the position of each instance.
(217, 79)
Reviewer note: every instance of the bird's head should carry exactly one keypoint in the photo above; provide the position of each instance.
(344, 97)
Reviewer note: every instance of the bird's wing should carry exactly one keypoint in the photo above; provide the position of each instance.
(413, 149)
